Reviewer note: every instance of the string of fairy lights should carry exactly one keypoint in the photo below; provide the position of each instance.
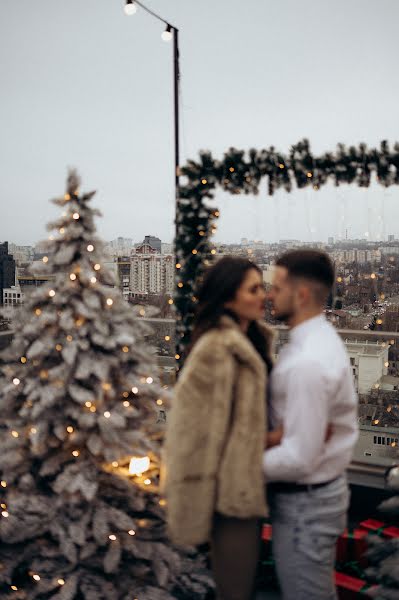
(131, 7)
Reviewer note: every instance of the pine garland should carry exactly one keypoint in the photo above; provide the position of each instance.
(239, 173)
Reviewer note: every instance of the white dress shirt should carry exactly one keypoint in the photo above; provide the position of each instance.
(311, 387)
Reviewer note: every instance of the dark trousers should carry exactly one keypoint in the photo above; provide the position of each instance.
(235, 547)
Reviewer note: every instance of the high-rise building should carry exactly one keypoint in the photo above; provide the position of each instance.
(391, 238)
(152, 273)
(166, 248)
(12, 296)
(21, 254)
(330, 241)
(124, 274)
(120, 246)
(369, 362)
(149, 245)
(389, 249)
(7, 269)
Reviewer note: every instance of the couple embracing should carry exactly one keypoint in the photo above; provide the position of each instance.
(248, 438)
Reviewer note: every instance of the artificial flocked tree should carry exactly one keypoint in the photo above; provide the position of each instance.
(383, 554)
(79, 398)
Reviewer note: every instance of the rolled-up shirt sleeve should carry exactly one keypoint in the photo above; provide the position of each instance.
(305, 424)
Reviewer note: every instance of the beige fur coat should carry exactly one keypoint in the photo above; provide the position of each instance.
(215, 435)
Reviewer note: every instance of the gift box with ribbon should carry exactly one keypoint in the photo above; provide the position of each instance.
(351, 549)
(380, 528)
(350, 588)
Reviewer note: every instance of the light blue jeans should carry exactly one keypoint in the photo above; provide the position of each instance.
(306, 526)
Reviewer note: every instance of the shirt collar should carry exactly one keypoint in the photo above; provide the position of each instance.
(299, 332)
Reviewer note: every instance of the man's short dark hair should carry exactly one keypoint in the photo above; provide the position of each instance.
(313, 265)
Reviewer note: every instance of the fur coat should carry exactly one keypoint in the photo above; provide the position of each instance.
(215, 434)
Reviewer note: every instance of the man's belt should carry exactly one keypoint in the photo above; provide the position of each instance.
(286, 487)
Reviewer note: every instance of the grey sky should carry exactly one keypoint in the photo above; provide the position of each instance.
(84, 85)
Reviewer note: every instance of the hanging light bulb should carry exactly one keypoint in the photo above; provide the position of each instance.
(130, 8)
(167, 34)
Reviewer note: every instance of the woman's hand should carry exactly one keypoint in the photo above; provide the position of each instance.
(273, 438)
(329, 432)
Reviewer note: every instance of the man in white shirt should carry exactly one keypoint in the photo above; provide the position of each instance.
(314, 401)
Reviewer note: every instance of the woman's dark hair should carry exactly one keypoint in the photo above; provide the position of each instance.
(220, 285)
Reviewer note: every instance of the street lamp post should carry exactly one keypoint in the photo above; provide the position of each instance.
(170, 32)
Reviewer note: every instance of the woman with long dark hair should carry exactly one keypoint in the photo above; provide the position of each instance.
(217, 427)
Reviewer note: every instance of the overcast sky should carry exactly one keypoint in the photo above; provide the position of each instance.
(83, 85)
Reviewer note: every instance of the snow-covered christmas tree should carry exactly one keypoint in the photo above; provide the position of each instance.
(79, 402)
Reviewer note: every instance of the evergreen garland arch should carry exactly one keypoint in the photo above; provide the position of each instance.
(240, 172)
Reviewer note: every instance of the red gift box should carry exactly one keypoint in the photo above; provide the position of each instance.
(348, 587)
(267, 533)
(352, 546)
(267, 542)
(267, 572)
(380, 528)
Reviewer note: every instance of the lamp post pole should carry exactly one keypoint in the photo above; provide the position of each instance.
(176, 77)
(170, 32)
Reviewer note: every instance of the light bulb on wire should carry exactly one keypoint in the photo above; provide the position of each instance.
(130, 8)
(167, 34)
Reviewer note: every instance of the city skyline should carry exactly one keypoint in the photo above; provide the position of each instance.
(389, 239)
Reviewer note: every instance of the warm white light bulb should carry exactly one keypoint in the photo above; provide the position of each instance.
(139, 465)
(166, 35)
(130, 8)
